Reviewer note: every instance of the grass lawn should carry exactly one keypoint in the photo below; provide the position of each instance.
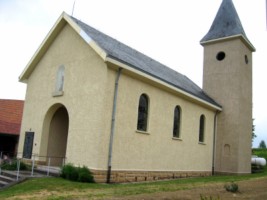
(58, 188)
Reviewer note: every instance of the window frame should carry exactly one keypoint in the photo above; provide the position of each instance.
(176, 130)
(143, 114)
(60, 79)
(202, 124)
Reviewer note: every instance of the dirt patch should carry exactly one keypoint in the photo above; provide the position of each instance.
(255, 189)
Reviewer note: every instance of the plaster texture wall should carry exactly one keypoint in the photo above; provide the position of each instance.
(156, 149)
(84, 97)
(88, 98)
(229, 82)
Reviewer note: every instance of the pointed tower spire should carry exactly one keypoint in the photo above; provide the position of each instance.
(226, 25)
(227, 78)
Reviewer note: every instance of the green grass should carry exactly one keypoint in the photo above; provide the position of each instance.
(58, 188)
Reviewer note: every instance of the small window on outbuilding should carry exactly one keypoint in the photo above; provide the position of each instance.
(176, 122)
(59, 81)
(201, 129)
(143, 113)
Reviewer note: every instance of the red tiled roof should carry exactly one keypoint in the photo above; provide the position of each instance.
(10, 116)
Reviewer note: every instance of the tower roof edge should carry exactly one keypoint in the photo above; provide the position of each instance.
(226, 24)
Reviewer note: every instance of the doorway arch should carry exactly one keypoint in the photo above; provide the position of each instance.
(56, 134)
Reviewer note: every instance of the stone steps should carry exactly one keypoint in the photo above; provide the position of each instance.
(3, 183)
(7, 179)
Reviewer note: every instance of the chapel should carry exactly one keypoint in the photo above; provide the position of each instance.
(94, 101)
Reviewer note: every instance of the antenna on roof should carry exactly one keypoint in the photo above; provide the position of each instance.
(73, 8)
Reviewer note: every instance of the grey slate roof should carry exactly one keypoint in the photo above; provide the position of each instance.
(143, 63)
(226, 23)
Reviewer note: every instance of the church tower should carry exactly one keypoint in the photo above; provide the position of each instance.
(227, 78)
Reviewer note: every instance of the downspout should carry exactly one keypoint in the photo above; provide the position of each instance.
(113, 125)
(214, 142)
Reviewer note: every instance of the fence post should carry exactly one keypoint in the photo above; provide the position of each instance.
(48, 167)
(18, 168)
(0, 161)
(33, 164)
(63, 162)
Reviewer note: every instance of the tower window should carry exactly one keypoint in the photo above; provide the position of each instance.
(142, 113)
(246, 59)
(220, 56)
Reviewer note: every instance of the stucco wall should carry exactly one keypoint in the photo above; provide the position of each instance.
(84, 92)
(88, 98)
(156, 149)
(230, 82)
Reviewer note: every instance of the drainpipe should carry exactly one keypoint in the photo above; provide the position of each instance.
(113, 125)
(214, 142)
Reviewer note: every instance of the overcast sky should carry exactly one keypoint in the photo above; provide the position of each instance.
(167, 30)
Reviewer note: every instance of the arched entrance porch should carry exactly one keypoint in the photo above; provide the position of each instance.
(55, 133)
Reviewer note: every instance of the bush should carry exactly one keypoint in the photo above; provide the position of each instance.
(80, 174)
(12, 165)
(232, 187)
(262, 153)
(85, 175)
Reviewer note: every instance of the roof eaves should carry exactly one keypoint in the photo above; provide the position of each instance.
(60, 23)
(210, 102)
(58, 26)
(244, 39)
(86, 37)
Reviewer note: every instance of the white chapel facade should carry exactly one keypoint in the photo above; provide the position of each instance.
(94, 101)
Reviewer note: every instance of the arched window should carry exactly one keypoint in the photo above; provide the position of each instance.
(176, 122)
(142, 113)
(201, 128)
(60, 78)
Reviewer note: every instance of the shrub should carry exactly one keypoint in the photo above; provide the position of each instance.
(232, 187)
(13, 165)
(85, 175)
(69, 172)
(262, 153)
(80, 174)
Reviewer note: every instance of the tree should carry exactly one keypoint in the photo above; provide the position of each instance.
(262, 145)
(253, 131)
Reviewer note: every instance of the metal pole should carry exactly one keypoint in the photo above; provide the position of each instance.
(214, 143)
(18, 168)
(112, 130)
(48, 167)
(63, 162)
(32, 165)
(1, 155)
